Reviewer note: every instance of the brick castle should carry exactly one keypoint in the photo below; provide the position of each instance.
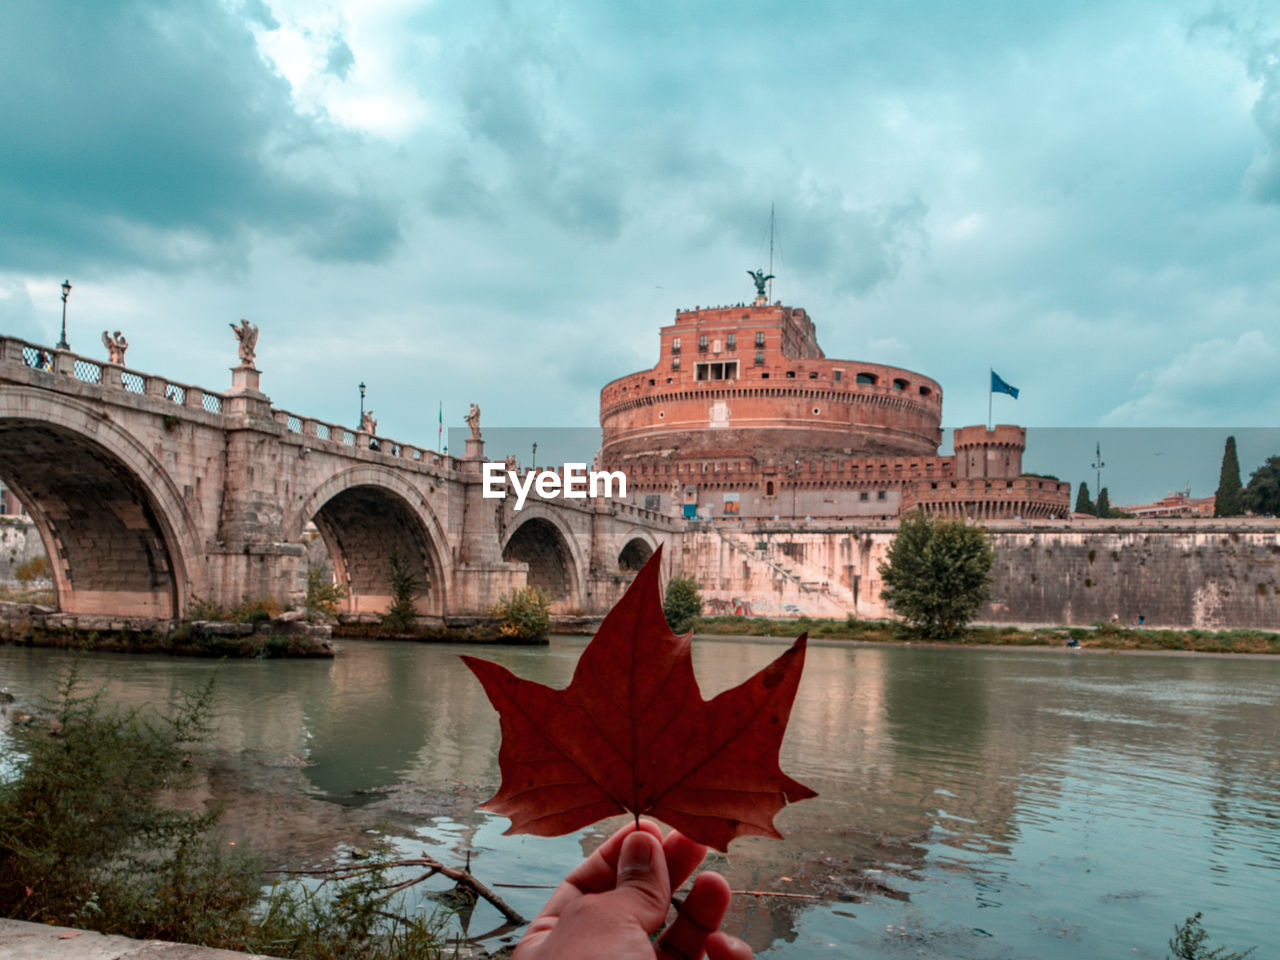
(744, 415)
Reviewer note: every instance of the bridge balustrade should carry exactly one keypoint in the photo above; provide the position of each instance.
(108, 375)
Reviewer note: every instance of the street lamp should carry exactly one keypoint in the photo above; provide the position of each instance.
(535, 456)
(1098, 465)
(361, 403)
(66, 289)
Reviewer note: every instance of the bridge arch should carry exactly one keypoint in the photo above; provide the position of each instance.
(636, 551)
(365, 514)
(543, 540)
(119, 535)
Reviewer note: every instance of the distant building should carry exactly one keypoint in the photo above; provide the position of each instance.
(10, 506)
(745, 416)
(1178, 504)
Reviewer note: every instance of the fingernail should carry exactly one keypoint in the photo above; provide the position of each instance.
(637, 854)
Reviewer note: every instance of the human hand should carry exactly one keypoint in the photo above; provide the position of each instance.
(610, 904)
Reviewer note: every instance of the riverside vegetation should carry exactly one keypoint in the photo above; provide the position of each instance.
(90, 837)
(1101, 635)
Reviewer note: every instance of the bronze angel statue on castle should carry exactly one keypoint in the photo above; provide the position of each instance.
(760, 280)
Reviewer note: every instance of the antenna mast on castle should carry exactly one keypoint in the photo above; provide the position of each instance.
(771, 251)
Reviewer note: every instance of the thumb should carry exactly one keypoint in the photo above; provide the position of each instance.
(642, 880)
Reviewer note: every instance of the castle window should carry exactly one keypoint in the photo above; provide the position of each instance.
(791, 374)
(759, 338)
(867, 378)
(864, 496)
(759, 359)
(768, 488)
(675, 363)
(839, 375)
(675, 344)
(879, 494)
(702, 342)
(899, 384)
(731, 342)
(813, 374)
(925, 392)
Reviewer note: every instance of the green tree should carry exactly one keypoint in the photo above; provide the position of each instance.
(405, 586)
(1262, 495)
(1103, 506)
(1229, 500)
(323, 595)
(1083, 503)
(682, 604)
(937, 573)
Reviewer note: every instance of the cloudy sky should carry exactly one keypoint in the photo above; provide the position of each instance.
(502, 202)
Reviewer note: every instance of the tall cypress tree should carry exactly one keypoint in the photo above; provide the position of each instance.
(1229, 501)
(1083, 503)
(1103, 506)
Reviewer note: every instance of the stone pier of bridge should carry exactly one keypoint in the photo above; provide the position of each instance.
(151, 494)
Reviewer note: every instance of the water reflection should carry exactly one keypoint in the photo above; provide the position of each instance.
(972, 803)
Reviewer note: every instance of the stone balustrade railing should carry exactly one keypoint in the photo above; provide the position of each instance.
(116, 376)
(336, 433)
(107, 375)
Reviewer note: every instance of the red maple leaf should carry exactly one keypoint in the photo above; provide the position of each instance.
(631, 732)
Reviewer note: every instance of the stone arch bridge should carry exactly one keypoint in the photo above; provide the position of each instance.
(149, 493)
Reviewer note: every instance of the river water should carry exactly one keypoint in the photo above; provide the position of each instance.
(974, 803)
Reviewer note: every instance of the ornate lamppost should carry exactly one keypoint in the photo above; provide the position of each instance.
(66, 290)
(535, 457)
(362, 404)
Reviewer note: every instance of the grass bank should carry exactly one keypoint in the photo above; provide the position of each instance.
(1101, 636)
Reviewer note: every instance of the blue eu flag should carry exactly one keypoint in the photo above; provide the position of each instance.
(999, 386)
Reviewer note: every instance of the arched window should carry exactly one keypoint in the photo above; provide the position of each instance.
(899, 384)
(867, 378)
(768, 488)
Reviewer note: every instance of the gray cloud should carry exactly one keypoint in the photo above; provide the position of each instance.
(160, 140)
(340, 59)
(1257, 46)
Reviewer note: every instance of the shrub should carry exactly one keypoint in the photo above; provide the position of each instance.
(524, 613)
(1188, 943)
(37, 568)
(937, 573)
(405, 585)
(682, 604)
(323, 595)
(85, 840)
(201, 609)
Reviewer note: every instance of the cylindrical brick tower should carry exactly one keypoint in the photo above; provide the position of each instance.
(751, 383)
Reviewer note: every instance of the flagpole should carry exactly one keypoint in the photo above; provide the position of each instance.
(990, 379)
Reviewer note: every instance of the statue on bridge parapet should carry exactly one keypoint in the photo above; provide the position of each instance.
(116, 346)
(473, 421)
(247, 334)
(367, 423)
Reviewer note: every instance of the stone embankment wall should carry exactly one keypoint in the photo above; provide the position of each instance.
(19, 542)
(1210, 574)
